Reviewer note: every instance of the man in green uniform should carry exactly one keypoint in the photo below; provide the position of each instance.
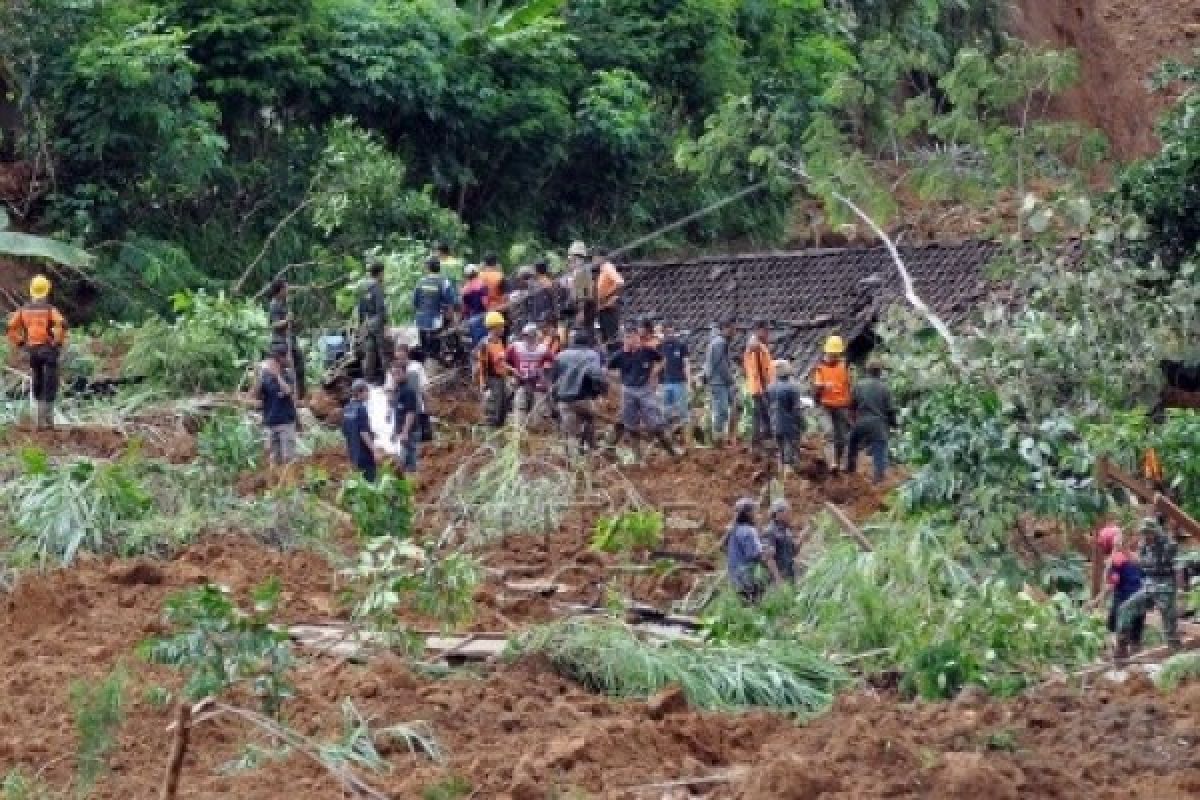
(283, 333)
(872, 403)
(1157, 557)
(373, 319)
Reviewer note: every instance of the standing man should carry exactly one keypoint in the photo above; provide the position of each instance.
(450, 262)
(581, 286)
(609, 284)
(356, 427)
(496, 297)
(1156, 555)
(577, 378)
(639, 366)
(744, 552)
(543, 294)
(760, 373)
(873, 416)
(831, 390)
(494, 371)
(435, 301)
(283, 332)
(528, 358)
(405, 402)
(373, 322)
(41, 331)
(276, 391)
(779, 544)
(783, 400)
(677, 377)
(718, 370)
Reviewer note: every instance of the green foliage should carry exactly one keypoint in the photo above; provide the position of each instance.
(392, 576)
(220, 645)
(453, 788)
(207, 348)
(357, 745)
(231, 442)
(380, 509)
(18, 785)
(1124, 437)
(729, 619)
(608, 657)
(1177, 670)
(99, 711)
(628, 532)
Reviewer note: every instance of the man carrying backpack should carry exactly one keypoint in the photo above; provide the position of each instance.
(41, 331)
(435, 301)
(373, 322)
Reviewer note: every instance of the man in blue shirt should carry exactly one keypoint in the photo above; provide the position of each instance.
(356, 427)
(676, 377)
(434, 302)
(744, 552)
(276, 391)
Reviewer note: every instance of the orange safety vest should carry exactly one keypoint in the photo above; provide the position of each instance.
(35, 325)
(493, 280)
(760, 369)
(608, 282)
(1151, 467)
(493, 358)
(836, 379)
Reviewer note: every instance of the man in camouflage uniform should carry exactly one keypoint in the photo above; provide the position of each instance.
(1157, 556)
(373, 321)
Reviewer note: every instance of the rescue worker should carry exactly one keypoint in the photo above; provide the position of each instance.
(744, 552)
(373, 322)
(552, 336)
(356, 428)
(831, 389)
(718, 372)
(577, 379)
(277, 395)
(496, 285)
(873, 414)
(283, 331)
(450, 262)
(406, 407)
(677, 378)
(41, 331)
(581, 287)
(609, 285)
(779, 546)
(1156, 555)
(639, 365)
(435, 301)
(543, 293)
(787, 422)
(760, 373)
(1123, 578)
(528, 358)
(474, 293)
(494, 371)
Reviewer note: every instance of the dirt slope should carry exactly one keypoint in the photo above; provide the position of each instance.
(1120, 43)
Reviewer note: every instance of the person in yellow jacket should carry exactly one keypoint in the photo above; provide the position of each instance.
(760, 374)
(41, 331)
(832, 391)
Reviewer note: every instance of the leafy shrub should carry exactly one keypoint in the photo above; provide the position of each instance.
(231, 442)
(1177, 670)
(383, 508)
(207, 348)
(98, 710)
(630, 531)
(219, 645)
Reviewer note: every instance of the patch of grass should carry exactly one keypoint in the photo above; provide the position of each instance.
(1002, 740)
(1178, 670)
(98, 710)
(452, 788)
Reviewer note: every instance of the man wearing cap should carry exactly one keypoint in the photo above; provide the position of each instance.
(528, 358)
(356, 428)
(830, 382)
(760, 373)
(609, 285)
(493, 370)
(577, 378)
(373, 319)
(872, 403)
(783, 401)
(434, 302)
(1156, 555)
(41, 331)
(779, 545)
(639, 366)
(718, 372)
(277, 394)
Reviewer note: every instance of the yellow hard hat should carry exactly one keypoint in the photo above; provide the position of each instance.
(494, 319)
(834, 346)
(39, 287)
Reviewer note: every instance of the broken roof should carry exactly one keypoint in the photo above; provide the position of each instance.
(805, 295)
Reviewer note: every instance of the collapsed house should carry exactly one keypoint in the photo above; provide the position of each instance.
(806, 295)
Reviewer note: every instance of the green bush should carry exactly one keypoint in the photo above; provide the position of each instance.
(383, 508)
(231, 442)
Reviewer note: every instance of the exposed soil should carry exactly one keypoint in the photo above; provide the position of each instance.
(175, 444)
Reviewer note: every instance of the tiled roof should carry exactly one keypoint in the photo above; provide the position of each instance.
(805, 295)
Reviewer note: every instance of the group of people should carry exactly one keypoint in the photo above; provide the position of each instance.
(1140, 575)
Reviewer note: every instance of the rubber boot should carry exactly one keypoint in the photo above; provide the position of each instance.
(45, 417)
(1121, 653)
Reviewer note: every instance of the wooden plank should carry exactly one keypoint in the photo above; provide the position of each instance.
(848, 527)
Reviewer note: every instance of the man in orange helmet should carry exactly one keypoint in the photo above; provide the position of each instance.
(41, 331)
(833, 393)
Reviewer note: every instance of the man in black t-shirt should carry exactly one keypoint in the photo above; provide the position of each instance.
(278, 396)
(406, 408)
(676, 377)
(639, 365)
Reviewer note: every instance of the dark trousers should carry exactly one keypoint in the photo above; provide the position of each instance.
(375, 361)
(874, 437)
(760, 420)
(43, 363)
(610, 325)
(297, 364)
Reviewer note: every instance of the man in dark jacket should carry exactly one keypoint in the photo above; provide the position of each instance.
(283, 331)
(435, 301)
(576, 379)
(373, 321)
(276, 392)
(873, 407)
(784, 404)
(356, 427)
(718, 371)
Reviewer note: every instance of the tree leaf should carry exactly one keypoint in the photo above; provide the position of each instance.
(29, 246)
